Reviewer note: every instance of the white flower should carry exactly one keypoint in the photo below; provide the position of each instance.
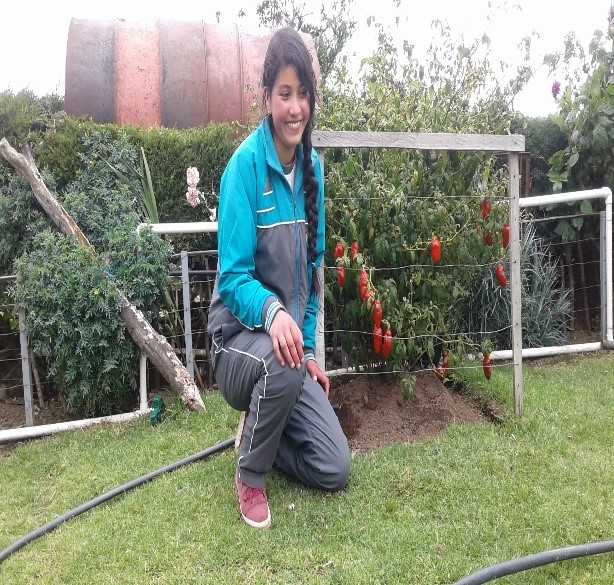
(213, 214)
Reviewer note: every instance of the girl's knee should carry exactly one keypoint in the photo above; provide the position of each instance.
(341, 472)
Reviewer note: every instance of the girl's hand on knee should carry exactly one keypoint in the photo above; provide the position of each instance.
(287, 340)
(317, 375)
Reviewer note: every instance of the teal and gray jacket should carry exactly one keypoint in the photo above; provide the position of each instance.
(262, 242)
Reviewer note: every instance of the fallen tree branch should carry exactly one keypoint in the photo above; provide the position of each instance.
(155, 346)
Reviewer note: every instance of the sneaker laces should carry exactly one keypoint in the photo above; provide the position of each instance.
(253, 495)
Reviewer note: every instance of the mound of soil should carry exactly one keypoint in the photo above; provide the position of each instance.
(373, 412)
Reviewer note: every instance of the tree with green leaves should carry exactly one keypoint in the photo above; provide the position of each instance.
(330, 26)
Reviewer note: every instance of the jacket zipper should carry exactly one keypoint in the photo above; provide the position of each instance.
(297, 242)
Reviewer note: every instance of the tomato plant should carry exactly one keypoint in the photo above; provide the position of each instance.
(394, 202)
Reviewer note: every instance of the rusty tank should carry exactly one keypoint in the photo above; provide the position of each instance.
(179, 74)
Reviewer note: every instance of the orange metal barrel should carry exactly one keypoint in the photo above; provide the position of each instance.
(165, 73)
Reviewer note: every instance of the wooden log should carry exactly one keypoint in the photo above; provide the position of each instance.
(154, 345)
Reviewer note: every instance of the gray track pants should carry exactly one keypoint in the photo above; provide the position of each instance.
(290, 423)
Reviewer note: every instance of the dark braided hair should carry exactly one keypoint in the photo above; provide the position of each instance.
(288, 48)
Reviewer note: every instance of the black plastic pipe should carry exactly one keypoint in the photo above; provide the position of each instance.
(7, 552)
(536, 560)
(483, 576)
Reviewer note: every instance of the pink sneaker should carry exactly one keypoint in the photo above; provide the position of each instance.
(254, 505)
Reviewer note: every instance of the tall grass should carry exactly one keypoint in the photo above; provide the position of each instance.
(421, 514)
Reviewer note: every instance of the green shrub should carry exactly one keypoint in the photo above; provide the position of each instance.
(20, 219)
(543, 138)
(545, 305)
(24, 115)
(69, 294)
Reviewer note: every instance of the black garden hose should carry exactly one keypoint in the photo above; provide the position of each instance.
(482, 576)
(7, 552)
(536, 560)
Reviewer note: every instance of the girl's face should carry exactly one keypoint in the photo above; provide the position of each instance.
(289, 107)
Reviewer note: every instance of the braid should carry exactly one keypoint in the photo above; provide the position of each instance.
(311, 209)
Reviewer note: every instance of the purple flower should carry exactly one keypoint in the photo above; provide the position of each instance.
(556, 88)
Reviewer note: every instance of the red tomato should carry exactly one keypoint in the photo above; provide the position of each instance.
(339, 250)
(341, 276)
(377, 339)
(486, 366)
(488, 239)
(435, 250)
(505, 235)
(485, 207)
(354, 250)
(362, 289)
(387, 343)
(500, 275)
(377, 313)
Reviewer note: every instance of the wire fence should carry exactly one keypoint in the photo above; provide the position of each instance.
(577, 264)
(580, 271)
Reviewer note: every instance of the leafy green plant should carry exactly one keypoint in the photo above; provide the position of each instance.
(545, 304)
(72, 321)
(140, 185)
(69, 293)
(24, 115)
(408, 384)
(20, 219)
(586, 118)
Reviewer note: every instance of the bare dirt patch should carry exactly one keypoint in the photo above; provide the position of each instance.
(374, 413)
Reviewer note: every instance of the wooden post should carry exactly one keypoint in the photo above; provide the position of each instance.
(154, 345)
(516, 285)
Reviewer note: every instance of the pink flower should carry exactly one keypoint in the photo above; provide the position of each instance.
(193, 196)
(192, 176)
(556, 88)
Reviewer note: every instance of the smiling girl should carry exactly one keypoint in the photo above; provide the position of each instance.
(263, 311)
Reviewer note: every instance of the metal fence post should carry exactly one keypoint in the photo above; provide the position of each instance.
(26, 368)
(187, 313)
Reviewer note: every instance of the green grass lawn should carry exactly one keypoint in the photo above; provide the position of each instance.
(423, 514)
